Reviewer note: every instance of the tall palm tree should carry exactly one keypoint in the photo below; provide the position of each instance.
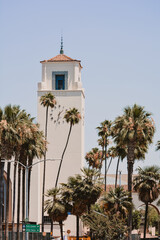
(33, 145)
(121, 153)
(104, 131)
(134, 128)
(80, 192)
(56, 207)
(15, 131)
(19, 117)
(11, 138)
(47, 100)
(147, 184)
(72, 117)
(36, 148)
(11, 117)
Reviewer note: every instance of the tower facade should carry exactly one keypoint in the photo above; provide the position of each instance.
(61, 76)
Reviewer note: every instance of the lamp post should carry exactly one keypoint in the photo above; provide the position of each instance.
(26, 170)
(120, 172)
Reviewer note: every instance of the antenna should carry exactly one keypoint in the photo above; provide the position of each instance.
(61, 50)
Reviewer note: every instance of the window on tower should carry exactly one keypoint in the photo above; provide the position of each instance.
(60, 82)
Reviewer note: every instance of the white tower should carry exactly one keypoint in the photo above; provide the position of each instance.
(61, 75)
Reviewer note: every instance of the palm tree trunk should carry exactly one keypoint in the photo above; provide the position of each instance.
(7, 200)
(51, 226)
(44, 172)
(145, 223)
(77, 227)
(14, 194)
(1, 196)
(117, 171)
(102, 157)
(63, 155)
(130, 163)
(61, 229)
(105, 174)
(18, 200)
(109, 164)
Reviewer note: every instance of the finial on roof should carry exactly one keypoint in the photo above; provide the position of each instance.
(61, 51)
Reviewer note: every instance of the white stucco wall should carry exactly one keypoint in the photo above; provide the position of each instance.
(57, 134)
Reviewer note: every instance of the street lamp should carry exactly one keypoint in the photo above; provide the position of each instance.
(26, 170)
(120, 172)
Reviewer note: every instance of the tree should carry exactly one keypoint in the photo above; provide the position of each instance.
(104, 227)
(80, 192)
(133, 129)
(32, 144)
(147, 183)
(47, 100)
(56, 207)
(9, 138)
(104, 131)
(158, 146)
(116, 201)
(153, 217)
(136, 221)
(73, 117)
(120, 153)
(94, 158)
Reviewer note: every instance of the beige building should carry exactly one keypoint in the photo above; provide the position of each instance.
(61, 76)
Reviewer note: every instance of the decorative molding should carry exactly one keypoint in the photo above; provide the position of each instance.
(64, 93)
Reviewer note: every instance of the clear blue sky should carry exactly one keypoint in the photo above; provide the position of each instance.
(118, 43)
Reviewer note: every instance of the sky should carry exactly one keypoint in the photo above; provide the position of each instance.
(117, 41)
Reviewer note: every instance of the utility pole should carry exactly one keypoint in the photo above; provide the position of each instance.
(120, 172)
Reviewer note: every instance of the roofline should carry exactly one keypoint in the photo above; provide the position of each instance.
(56, 61)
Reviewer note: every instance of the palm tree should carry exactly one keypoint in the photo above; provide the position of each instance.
(80, 192)
(10, 119)
(10, 140)
(16, 131)
(158, 146)
(73, 117)
(104, 226)
(134, 128)
(47, 100)
(104, 131)
(120, 153)
(36, 148)
(147, 184)
(33, 145)
(56, 208)
(94, 158)
(116, 201)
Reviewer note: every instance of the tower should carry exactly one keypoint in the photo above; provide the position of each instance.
(61, 76)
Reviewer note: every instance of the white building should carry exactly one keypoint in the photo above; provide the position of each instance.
(61, 75)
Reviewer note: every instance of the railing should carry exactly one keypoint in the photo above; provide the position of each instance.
(32, 236)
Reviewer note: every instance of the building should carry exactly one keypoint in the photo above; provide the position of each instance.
(61, 75)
